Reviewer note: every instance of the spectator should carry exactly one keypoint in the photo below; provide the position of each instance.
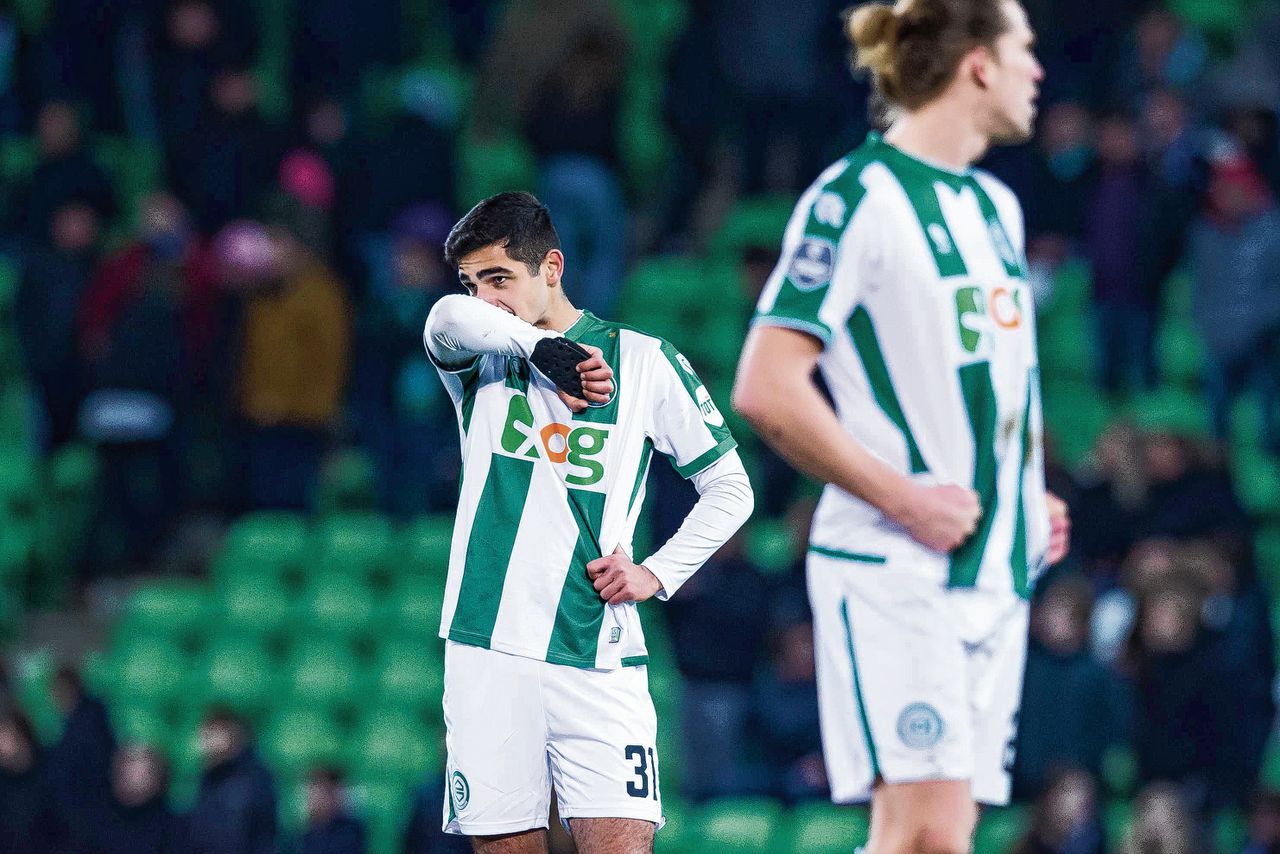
(1235, 256)
(1163, 823)
(138, 819)
(293, 367)
(1189, 495)
(30, 823)
(399, 404)
(1065, 819)
(331, 829)
(219, 169)
(718, 627)
(235, 809)
(422, 833)
(1116, 213)
(54, 279)
(1055, 207)
(1111, 491)
(77, 56)
(786, 710)
(1072, 708)
(66, 173)
(79, 763)
(1264, 824)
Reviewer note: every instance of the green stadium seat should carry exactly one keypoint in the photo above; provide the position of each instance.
(235, 670)
(257, 604)
(757, 221)
(265, 543)
(662, 287)
(1116, 818)
(653, 25)
(413, 607)
(645, 142)
(172, 610)
(1072, 291)
(1267, 547)
(141, 724)
(1257, 482)
(15, 422)
(73, 472)
(298, 738)
(385, 807)
(488, 167)
(1171, 410)
(1230, 832)
(1180, 353)
(17, 539)
(347, 483)
(1067, 348)
(337, 604)
(423, 546)
(150, 670)
(322, 671)
(359, 544)
(19, 484)
(999, 830)
(394, 745)
(1270, 776)
(409, 674)
(1075, 416)
(739, 826)
(18, 155)
(822, 828)
(772, 546)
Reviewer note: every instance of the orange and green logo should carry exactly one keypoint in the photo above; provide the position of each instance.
(981, 311)
(575, 446)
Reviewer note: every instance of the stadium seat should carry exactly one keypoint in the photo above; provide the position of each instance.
(359, 544)
(660, 286)
(676, 836)
(141, 724)
(1271, 756)
(1180, 354)
(298, 738)
(409, 674)
(645, 143)
(771, 545)
(1171, 410)
(393, 745)
(265, 543)
(412, 608)
(336, 604)
(348, 483)
(822, 828)
(757, 221)
(999, 830)
(1257, 482)
(1230, 831)
(16, 418)
(653, 25)
(322, 671)
(1115, 821)
(1267, 547)
(1066, 343)
(256, 604)
(171, 610)
(237, 671)
(423, 546)
(488, 167)
(739, 826)
(1075, 415)
(385, 808)
(150, 670)
(19, 486)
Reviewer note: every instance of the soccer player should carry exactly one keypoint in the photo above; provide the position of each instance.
(903, 280)
(545, 663)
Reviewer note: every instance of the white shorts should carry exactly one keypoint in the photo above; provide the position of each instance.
(514, 725)
(915, 681)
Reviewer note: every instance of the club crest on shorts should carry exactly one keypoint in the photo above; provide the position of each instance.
(459, 790)
(813, 263)
(920, 726)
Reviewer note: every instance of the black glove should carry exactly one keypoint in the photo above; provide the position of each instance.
(558, 360)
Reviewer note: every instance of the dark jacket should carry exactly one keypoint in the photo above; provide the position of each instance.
(235, 811)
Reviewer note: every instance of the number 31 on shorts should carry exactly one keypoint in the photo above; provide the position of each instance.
(646, 767)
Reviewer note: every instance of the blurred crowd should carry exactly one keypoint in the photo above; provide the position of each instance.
(219, 330)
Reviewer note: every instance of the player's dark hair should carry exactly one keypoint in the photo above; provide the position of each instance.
(518, 222)
(912, 49)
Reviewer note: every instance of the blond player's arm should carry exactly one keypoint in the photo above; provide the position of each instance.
(775, 392)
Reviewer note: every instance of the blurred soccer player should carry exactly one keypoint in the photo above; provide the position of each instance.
(903, 279)
(545, 662)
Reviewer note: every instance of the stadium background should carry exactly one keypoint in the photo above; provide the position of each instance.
(226, 471)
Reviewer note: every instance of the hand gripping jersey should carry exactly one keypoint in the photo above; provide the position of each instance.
(914, 279)
(545, 492)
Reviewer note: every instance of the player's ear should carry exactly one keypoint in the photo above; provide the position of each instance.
(976, 65)
(553, 267)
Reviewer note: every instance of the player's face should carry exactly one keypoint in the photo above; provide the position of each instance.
(1013, 80)
(500, 280)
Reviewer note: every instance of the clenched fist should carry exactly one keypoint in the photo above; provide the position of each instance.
(618, 580)
(939, 517)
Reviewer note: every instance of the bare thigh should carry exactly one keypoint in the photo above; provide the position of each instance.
(524, 842)
(933, 817)
(612, 835)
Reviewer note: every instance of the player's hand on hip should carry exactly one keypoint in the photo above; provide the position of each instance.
(940, 517)
(1059, 529)
(617, 579)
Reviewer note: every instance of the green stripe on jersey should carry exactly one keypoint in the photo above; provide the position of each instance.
(591, 330)
(634, 660)
(1000, 242)
(867, 344)
(493, 535)
(798, 305)
(693, 385)
(919, 181)
(641, 471)
(853, 557)
(1021, 585)
(980, 402)
(575, 635)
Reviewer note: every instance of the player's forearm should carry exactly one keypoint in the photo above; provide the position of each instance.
(793, 417)
(725, 502)
(460, 327)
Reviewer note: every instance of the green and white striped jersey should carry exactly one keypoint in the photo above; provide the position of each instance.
(914, 279)
(545, 491)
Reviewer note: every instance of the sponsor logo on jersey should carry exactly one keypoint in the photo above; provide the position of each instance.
(830, 210)
(615, 634)
(920, 726)
(459, 791)
(573, 445)
(1000, 240)
(980, 312)
(813, 263)
(941, 239)
(707, 406)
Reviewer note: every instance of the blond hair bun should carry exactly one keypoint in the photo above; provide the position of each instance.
(873, 30)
